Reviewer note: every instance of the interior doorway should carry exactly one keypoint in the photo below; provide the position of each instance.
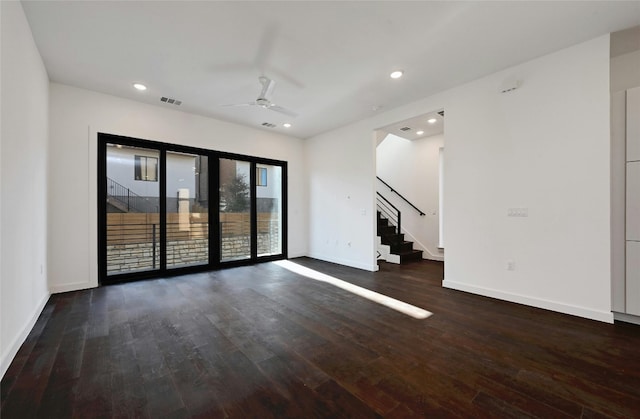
(409, 184)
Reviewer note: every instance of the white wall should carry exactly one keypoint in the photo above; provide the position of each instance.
(411, 168)
(625, 74)
(23, 194)
(544, 147)
(541, 147)
(341, 167)
(76, 117)
(625, 71)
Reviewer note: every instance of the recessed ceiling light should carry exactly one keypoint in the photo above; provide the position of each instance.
(286, 125)
(140, 86)
(419, 132)
(432, 120)
(396, 74)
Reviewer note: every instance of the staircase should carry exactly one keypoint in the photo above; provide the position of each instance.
(392, 246)
(122, 199)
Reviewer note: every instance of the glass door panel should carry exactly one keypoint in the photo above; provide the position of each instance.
(132, 209)
(269, 209)
(155, 217)
(187, 208)
(235, 210)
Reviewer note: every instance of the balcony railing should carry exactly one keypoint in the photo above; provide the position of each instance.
(136, 246)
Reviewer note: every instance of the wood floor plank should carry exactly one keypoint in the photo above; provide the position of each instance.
(15, 368)
(264, 342)
(345, 403)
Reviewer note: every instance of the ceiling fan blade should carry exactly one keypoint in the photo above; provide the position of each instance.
(265, 47)
(263, 100)
(290, 79)
(267, 87)
(280, 109)
(239, 104)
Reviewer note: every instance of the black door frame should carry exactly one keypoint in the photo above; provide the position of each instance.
(214, 209)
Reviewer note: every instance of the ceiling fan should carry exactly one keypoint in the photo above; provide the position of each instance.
(264, 99)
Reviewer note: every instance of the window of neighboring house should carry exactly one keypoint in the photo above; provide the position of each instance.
(146, 168)
(261, 176)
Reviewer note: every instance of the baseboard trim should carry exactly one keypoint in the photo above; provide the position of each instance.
(627, 318)
(345, 262)
(601, 316)
(426, 253)
(297, 254)
(8, 356)
(74, 286)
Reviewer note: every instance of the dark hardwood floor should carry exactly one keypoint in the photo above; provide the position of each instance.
(261, 342)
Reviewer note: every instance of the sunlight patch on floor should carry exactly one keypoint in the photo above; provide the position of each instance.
(382, 299)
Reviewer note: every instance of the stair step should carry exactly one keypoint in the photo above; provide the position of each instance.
(386, 230)
(115, 203)
(410, 256)
(398, 248)
(391, 239)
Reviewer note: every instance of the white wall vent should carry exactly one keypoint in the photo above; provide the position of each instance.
(510, 85)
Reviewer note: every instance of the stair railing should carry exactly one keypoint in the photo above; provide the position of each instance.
(389, 211)
(132, 201)
(422, 214)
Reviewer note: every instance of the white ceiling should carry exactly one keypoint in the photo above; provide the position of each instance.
(418, 126)
(624, 42)
(331, 60)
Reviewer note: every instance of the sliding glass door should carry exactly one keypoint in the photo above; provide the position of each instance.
(132, 204)
(166, 209)
(187, 209)
(235, 210)
(269, 209)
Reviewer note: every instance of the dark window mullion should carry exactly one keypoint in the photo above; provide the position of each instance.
(102, 208)
(254, 211)
(215, 238)
(163, 210)
(284, 213)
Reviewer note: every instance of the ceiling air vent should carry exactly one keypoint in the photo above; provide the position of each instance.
(405, 129)
(171, 101)
(268, 125)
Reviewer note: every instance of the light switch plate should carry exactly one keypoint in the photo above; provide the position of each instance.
(517, 212)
